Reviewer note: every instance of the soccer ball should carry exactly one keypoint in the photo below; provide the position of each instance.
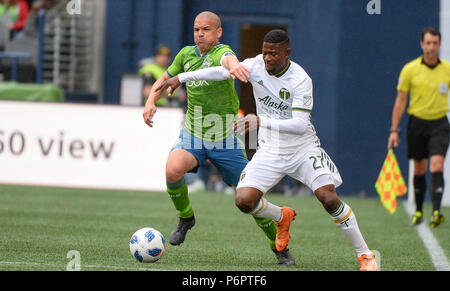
(147, 245)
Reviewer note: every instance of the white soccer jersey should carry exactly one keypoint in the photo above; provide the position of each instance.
(285, 152)
(276, 97)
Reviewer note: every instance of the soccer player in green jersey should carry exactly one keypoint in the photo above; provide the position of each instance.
(208, 131)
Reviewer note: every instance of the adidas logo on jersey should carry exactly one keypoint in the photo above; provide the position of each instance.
(268, 101)
(262, 84)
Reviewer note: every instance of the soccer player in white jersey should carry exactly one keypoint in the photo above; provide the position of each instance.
(287, 141)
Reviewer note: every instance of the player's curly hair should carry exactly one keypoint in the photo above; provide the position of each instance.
(277, 36)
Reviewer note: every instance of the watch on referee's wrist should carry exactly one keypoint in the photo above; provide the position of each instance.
(395, 130)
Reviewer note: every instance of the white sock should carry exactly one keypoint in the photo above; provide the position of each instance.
(345, 219)
(265, 209)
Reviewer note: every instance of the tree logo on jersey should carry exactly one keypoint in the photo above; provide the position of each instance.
(284, 94)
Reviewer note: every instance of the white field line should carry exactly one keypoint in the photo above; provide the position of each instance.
(435, 251)
(82, 266)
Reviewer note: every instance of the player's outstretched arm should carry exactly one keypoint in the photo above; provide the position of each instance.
(209, 74)
(150, 105)
(237, 70)
(217, 73)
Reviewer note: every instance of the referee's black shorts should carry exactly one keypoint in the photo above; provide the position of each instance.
(427, 137)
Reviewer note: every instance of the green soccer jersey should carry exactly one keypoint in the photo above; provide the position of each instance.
(212, 105)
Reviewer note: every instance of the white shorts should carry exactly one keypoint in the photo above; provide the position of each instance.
(311, 166)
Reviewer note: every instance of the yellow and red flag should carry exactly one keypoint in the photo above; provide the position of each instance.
(390, 183)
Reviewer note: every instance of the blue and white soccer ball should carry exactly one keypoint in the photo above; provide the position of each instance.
(147, 245)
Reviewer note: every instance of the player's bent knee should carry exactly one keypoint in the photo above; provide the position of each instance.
(328, 197)
(244, 204)
(245, 201)
(174, 173)
(331, 203)
(178, 164)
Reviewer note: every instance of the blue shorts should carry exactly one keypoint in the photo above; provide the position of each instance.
(227, 155)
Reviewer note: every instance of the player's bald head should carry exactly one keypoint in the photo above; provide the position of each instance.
(214, 18)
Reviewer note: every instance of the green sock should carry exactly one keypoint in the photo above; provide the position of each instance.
(269, 228)
(178, 192)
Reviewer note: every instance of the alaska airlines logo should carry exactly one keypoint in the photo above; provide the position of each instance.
(271, 103)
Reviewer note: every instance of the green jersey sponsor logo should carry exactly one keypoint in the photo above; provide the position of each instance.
(198, 83)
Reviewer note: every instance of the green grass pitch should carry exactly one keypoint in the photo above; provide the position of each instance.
(40, 225)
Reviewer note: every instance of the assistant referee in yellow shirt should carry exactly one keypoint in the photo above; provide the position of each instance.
(426, 79)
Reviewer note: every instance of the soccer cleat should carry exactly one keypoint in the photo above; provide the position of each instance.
(436, 219)
(368, 263)
(282, 237)
(284, 257)
(417, 218)
(179, 234)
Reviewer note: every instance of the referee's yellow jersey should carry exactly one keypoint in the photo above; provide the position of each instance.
(427, 88)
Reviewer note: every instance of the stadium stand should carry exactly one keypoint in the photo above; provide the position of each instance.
(53, 48)
(67, 41)
(20, 60)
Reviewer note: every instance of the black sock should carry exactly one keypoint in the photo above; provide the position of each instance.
(436, 189)
(420, 186)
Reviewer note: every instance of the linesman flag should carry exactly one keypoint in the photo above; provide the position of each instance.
(390, 183)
